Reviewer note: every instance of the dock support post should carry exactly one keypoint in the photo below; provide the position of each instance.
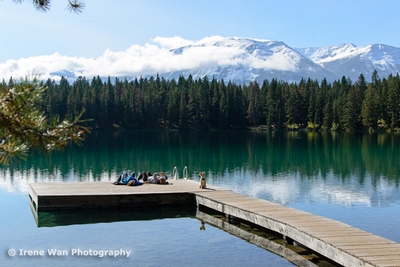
(288, 240)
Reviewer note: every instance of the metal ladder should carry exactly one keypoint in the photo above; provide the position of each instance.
(175, 173)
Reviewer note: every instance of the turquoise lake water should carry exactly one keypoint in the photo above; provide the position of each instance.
(353, 178)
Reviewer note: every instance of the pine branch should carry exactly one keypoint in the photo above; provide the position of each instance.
(75, 6)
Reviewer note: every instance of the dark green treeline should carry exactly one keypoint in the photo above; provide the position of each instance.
(187, 103)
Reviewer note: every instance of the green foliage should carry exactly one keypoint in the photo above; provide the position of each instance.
(382, 125)
(24, 126)
(186, 103)
(312, 126)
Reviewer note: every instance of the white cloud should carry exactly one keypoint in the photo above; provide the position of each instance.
(172, 42)
(275, 61)
(210, 39)
(148, 59)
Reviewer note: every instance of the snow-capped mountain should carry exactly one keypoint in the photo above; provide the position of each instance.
(350, 61)
(240, 60)
(261, 59)
(246, 60)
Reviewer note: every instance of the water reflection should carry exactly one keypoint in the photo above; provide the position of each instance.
(353, 178)
(284, 167)
(64, 218)
(298, 255)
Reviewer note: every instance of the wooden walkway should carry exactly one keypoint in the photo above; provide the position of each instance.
(272, 246)
(337, 241)
(346, 245)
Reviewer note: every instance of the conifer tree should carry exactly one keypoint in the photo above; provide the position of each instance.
(370, 107)
(215, 99)
(320, 102)
(24, 125)
(183, 100)
(393, 101)
(75, 6)
(352, 109)
(173, 104)
(223, 119)
(274, 103)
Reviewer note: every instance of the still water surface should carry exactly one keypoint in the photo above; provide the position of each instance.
(353, 178)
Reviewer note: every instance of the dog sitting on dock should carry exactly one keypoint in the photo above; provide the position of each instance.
(202, 180)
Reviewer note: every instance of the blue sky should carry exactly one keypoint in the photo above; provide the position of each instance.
(118, 25)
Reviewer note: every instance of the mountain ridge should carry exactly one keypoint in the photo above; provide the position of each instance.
(331, 62)
(350, 60)
(243, 60)
(257, 60)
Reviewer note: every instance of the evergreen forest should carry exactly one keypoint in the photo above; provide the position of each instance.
(187, 103)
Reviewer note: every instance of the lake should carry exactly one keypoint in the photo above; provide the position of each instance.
(350, 177)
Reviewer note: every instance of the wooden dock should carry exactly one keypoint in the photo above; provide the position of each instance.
(85, 195)
(346, 245)
(337, 241)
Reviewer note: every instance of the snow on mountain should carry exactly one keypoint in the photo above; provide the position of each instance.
(321, 54)
(261, 59)
(350, 61)
(246, 60)
(240, 60)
